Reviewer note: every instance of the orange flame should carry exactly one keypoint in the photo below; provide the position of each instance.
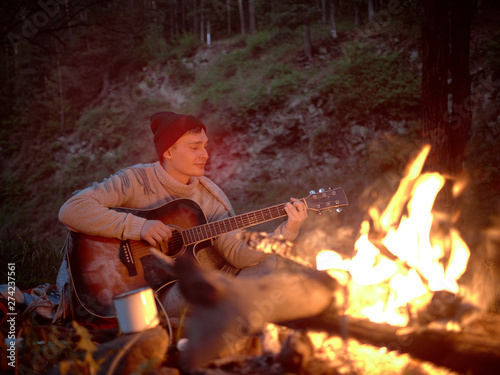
(382, 287)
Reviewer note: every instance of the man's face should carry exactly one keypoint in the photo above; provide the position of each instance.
(187, 157)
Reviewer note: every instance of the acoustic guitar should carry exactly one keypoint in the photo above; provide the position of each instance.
(101, 268)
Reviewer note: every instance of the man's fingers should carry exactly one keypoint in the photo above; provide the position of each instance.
(155, 232)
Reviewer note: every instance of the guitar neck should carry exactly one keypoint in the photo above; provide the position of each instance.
(216, 228)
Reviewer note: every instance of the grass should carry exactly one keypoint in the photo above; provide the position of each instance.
(36, 261)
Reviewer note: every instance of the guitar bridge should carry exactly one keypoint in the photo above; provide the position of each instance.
(126, 257)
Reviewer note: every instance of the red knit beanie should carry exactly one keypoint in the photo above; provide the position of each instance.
(168, 127)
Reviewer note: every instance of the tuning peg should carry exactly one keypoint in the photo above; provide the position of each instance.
(339, 209)
(321, 190)
(312, 192)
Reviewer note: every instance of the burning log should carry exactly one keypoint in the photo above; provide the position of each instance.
(475, 349)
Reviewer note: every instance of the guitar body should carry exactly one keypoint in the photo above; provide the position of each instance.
(101, 268)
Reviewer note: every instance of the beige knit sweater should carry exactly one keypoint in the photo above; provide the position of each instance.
(148, 186)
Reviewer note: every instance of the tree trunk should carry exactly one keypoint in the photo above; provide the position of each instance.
(333, 24)
(462, 101)
(371, 12)
(307, 41)
(435, 62)
(196, 20)
(172, 21)
(176, 18)
(251, 17)
(183, 16)
(209, 33)
(242, 17)
(228, 11)
(357, 20)
(323, 12)
(202, 28)
(61, 96)
(445, 54)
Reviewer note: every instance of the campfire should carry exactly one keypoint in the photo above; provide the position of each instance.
(403, 292)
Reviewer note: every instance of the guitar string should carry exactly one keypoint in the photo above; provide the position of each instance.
(214, 229)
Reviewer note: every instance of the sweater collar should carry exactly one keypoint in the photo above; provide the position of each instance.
(177, 188)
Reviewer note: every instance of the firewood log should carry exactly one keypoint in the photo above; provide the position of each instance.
(475, 349)
(226, 308)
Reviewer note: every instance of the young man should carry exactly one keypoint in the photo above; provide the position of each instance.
(181, 145)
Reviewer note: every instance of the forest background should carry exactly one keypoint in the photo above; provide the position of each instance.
(297, 95)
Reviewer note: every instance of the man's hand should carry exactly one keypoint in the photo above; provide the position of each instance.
(297, 215)
(155, 232)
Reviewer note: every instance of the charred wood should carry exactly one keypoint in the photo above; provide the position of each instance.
(475, 349)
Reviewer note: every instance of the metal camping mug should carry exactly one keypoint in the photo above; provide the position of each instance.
(136, 310)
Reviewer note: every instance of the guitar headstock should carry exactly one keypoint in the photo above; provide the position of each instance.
(326, 199)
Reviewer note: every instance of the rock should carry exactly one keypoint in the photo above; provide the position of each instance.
(133, 352)
(297, 352)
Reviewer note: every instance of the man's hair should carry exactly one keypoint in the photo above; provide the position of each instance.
(196, 130)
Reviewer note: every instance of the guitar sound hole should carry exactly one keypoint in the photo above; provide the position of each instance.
(174, 246)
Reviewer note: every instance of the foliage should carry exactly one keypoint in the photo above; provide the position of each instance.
(152, 49)
(49, 347)
(255, 85)
(294, 13)
(370, 85)
(184, 46)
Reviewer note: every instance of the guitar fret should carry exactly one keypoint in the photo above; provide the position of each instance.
(193, 235)
(242, 223)
(259, 215)
(189, 239)
(277, 211)
(215, 229)
(222, 227)
(255, 219)
(185, 236)
(210, 231)
(248, 220)
(238, 224)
